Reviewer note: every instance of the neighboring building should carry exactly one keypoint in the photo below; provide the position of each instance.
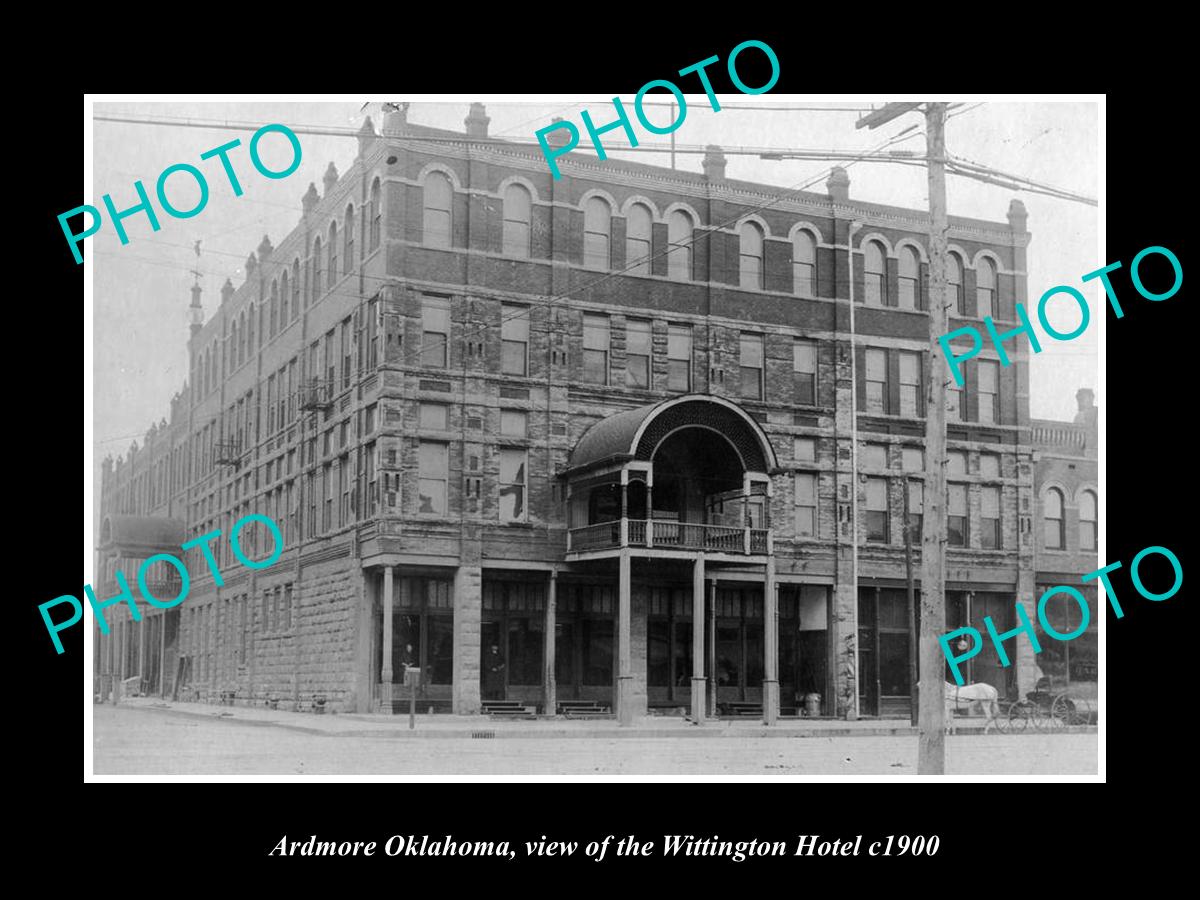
(573, 418)
(1066, 479)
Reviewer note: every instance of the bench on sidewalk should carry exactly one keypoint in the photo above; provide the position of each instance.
(509, 709)
(740, 709)
(584, 709)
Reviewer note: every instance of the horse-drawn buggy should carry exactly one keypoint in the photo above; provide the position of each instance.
(1045, 709)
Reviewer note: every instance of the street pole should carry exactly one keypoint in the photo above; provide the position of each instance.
(913, 668)
(931, 749)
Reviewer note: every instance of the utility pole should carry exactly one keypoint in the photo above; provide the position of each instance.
(931, 747)
(931, 736)
(914, 670)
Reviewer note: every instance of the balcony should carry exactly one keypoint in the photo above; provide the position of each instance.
(669, 535)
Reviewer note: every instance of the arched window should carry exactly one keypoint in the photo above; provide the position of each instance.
(750, 254)
(439, 195)
(241, 347)
(985, 288)
(375, 214)
(954, 284)
(316, 262)
(1087, 521)
(874, 273)
(1056, 534)
(250, 332)
(637, 240)
(348, 228)
(597, 231)
(518, 212)
(804, 264)
(284, 297)
(295, 288)
(679, 237)
(910, 278)
(273, 316)
(331, 275)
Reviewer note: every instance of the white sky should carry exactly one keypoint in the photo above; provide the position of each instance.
(141, 290)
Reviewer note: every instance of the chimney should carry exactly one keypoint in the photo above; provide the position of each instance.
(395, 121)
(1017, 217)
(331, 178)
(714, 163)
(838, 185)
(1086, 398)
(557, 137)
(226, 292)
(477, 121)
(196, 311)
(366, 136)
(251, 265)
(265, 249)
(310, 199)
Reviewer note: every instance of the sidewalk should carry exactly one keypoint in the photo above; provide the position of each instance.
(444, 726)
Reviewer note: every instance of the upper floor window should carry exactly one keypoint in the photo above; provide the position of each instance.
(439, 195)
(985, 288)
(751, 255)
(435, 331)
(285, 296)
(1056, 533)
(989, 465)
(513, 484)
(333, 264)
(518, 212)
(241, 341)
(679, 358)
(295, 288)
(595, 348)
(956, 515)
(1087, 521)
(637, 240)
(877, 510)
(804, 365)
(679, 237)
(433, 473)
(806, 504)
(514, 339)
(910, 384)
(316, 262)
(990, 537)
(876, 380)
(233, 343)
(910, 278)
(375, 214)
(348, 241)
(597, 231)
(273, 318)
(988, 374)
(751, 362)
(874, 273)
(804, 264)
(916, 509)
(954, 284)
(637, 353)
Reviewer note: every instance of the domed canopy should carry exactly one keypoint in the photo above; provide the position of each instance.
(637, 433)
(134, 535)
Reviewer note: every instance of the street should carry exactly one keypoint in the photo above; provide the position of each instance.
(132, 741)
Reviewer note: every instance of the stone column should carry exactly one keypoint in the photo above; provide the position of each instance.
(468, 610)
(770, 694)
(624, 662)
(364, 642)
(549, 691)
(698, 640)
(385, 675)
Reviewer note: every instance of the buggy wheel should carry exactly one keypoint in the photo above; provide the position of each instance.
(1040, 717)
(1064, 713)
(1016, 719)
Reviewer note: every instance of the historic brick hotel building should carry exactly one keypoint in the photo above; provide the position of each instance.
(601, 423)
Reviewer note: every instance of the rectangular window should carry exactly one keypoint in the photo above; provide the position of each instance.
(513, 478)
(433, 468)
(916, 509)
(595, 349)
(876, 381)
(912, 459)
(956, 407)
(285, 608)
(514, 337)
(805, 450)
(327, 514)
(344, 489)
(874, 456)
(330, 365)
(989, 391)
(910, 384)
(435, 331)
(751, 362)
(372, 335)
(956, 462)
(804, 365)
(989, 518)
(679, 358)
(806, 504)
(435, 416)
(989, 465)
(514, 423)
(347, 358)
(637, 353)
(877, 510)
(270, 404)
(956, 515)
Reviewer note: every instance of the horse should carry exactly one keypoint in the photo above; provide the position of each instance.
(970, 696)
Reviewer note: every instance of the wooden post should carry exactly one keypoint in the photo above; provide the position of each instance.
(698, 640)
(771, 647)
(550, 692)
(624, 661)
(931, 749)
(913, 668)
(385, 675)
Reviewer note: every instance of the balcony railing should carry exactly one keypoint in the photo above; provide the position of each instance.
(670, 536)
